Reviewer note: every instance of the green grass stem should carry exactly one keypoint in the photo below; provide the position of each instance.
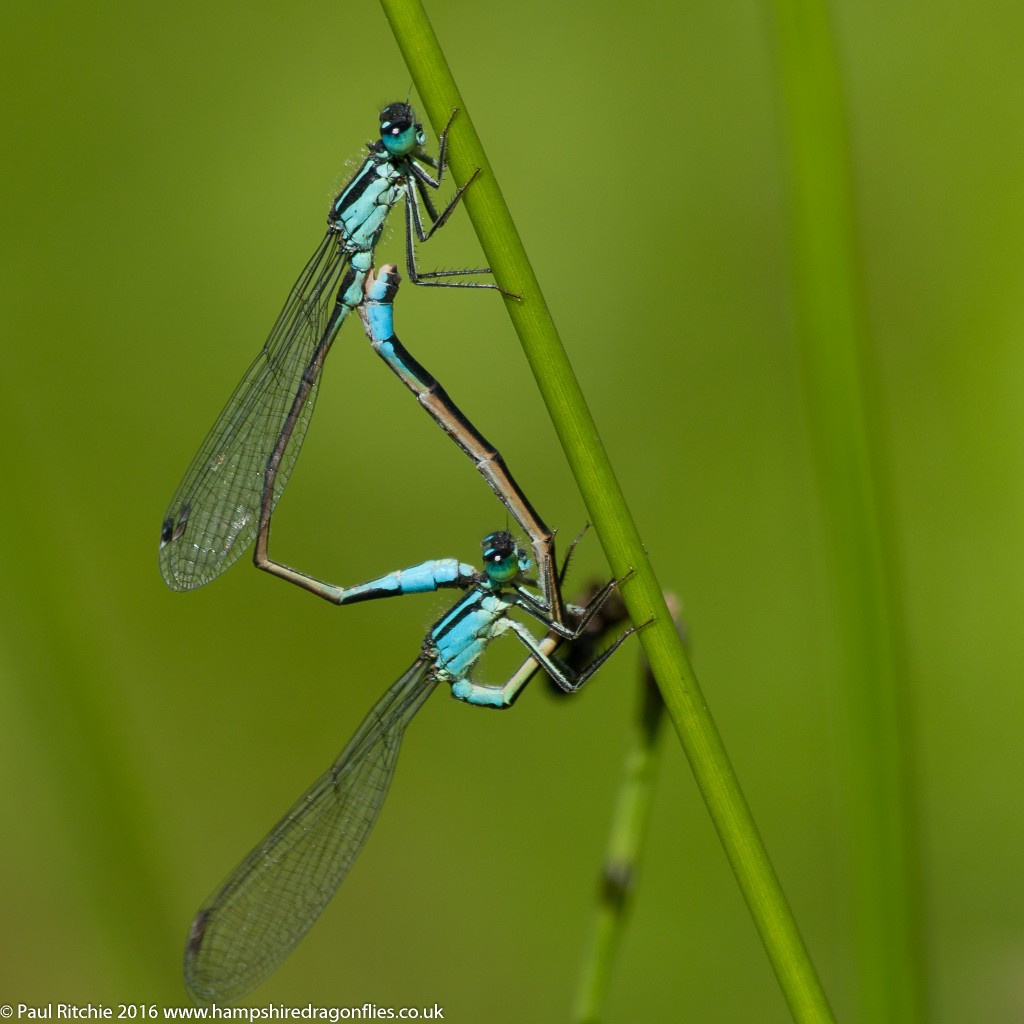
(610, 516)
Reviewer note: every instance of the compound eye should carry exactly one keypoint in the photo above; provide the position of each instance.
(501, 557)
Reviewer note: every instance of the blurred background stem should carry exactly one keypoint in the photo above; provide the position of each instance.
(841, 393)
(627, 837)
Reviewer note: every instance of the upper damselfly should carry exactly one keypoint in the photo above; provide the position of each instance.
(267, 904)
(243, 465)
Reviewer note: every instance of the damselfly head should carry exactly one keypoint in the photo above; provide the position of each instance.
(400, 133)
(504, 559)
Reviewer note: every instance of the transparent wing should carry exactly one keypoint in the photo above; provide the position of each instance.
(248, 927)
(214, 514)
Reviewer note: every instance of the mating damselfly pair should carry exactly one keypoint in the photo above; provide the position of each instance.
(226, 501)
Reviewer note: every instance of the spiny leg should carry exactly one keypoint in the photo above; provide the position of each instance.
(416, 188)
(567, 679)
(414, 232)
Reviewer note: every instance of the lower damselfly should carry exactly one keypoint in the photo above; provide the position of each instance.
(252, 922)
(243, 465)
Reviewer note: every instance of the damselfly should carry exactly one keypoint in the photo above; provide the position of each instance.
(253, 921)
(244, 463)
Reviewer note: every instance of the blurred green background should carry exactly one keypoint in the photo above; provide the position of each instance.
(166, 172)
